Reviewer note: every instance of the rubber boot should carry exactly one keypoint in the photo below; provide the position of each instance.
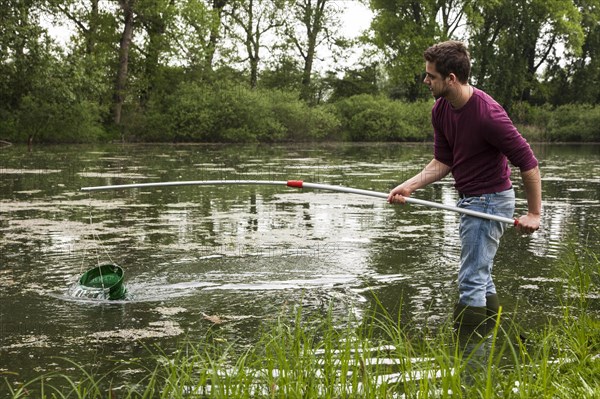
(492, 306)
(469, 319)
(470, 324)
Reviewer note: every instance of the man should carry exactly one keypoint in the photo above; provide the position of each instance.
(474, 139)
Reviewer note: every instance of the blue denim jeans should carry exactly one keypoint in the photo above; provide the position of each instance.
(480, 239)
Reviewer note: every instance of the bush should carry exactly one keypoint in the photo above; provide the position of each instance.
(8, 122)
(301, 121)
(230, 113)
(575, 123)
(242, 114)
(52, 100)
(376, 118)
(571, 122)
(49, 121)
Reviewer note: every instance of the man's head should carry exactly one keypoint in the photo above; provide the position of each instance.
(450, 57)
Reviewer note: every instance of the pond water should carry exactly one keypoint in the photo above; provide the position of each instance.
(245, 254)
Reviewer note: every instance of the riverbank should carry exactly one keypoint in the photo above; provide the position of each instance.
(232, 114)
(300, 356)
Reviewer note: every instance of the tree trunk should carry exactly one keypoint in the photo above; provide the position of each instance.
(305, 92)
(217, 7)
(91, 34)
(252, 44)
(121, 79)
(314, 24)
(254, 69)
(155, 29)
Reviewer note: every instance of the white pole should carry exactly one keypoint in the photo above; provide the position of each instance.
(301, 184)
(411, 200)
(185, 183)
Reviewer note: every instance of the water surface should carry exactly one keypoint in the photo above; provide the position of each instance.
(250, 253)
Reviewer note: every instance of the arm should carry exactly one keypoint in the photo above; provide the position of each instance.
(433, 172)
(532, 183)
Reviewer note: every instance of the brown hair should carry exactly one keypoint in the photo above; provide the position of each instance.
(450, 57)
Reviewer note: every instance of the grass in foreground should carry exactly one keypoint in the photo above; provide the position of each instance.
(376, 358)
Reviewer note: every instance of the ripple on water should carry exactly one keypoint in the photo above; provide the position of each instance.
(79, 291)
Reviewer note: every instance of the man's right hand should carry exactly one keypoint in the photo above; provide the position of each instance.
(398, 194)
(434, 171)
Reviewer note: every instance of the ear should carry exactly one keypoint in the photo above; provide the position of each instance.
(452, 78)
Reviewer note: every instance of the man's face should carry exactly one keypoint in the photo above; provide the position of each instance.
(436, 83)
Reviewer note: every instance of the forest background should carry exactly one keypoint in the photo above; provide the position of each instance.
(253, 70)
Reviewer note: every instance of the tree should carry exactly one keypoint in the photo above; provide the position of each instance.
(255, 18)
(215, 28)
(124, 47)
(85, 16)
(199, 34)
(354, 82)
(91, 46)
(487, 20)
(524, 36)
(403, 29)
(579, 80)
(22, 47)
(157, 18)
(284, 73)
(314, 22)
(24, 57)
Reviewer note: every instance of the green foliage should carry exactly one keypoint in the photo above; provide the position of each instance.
(512, 40)
(356, 81)
(531, 121)
(286, 74)
(571, 122)
(403, 30)
(575, 123)
(60, 120)
(186, 80)
(232, 113)
(377, 118)
(199, 22)
(54, 107)
(303, 122)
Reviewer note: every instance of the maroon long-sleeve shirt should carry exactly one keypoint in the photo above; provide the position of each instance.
(476, 141)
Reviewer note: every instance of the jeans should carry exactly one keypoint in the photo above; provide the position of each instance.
(480, 239)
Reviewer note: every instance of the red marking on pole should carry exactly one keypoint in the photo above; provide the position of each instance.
(295, 183)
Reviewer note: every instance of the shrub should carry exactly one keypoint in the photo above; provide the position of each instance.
(301, 121)
(234, 113)
(574, 122)
(571, 122)
(376, 118)
(58, 120)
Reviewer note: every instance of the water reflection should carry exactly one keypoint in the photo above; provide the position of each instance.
(250, 252)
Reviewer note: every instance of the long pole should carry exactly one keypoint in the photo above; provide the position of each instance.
(302, 184)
